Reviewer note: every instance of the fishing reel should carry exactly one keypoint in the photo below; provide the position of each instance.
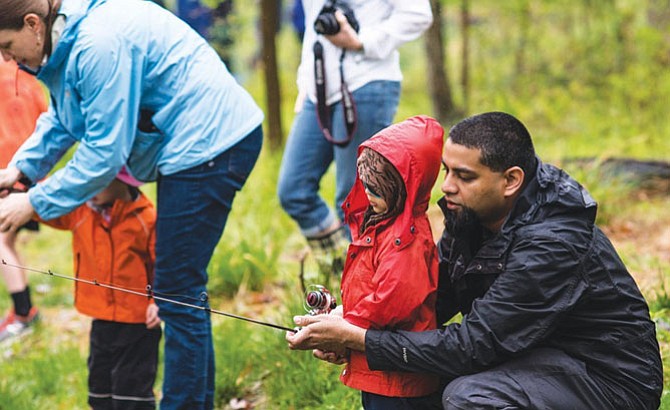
(319, 300)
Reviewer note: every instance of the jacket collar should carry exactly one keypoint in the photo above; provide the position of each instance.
(73, 11)
(108, 214)
(551, 191)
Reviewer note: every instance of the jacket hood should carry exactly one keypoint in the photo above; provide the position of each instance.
(414, 148)
(74, 11)
(551, 192)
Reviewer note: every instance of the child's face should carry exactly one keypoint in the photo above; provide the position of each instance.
(115, 190)
(377, 203)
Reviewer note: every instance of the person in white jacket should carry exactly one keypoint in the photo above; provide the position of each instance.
(328, 128)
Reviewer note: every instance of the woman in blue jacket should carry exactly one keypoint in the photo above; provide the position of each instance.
(133, 85)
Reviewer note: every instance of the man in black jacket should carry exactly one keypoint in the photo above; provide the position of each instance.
(551, 317)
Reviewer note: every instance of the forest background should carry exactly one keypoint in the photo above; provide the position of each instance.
(589, 79)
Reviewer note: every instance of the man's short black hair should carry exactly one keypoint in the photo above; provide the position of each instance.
(503, 140)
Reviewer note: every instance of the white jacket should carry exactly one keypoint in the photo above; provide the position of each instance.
(384, 26)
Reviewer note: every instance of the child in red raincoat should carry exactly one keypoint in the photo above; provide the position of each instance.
(390, 276)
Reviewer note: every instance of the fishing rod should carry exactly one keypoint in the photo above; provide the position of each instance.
(318, 300)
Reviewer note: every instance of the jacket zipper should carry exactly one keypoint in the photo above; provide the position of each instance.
(76, 275)
(111, 268)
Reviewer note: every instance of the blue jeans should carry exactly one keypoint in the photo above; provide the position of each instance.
(193, 206)
(308, 155)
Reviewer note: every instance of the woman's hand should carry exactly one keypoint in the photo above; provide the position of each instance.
(8, 177)
(15, 211)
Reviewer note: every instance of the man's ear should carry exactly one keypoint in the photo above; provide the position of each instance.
(514, 178)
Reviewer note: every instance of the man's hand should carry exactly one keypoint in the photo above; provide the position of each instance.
(329, 333)
(8, 177)
(15, 211)
(347, 37)
(331, 357)
(152, 320)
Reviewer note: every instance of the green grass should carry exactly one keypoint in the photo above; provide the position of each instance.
(43, 374)
(594, 84)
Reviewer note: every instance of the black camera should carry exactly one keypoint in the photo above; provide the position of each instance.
(326, 23)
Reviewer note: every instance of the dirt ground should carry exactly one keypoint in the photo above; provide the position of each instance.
(651, 240)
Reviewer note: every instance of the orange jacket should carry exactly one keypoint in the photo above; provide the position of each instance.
(22, 100)
(119, 253)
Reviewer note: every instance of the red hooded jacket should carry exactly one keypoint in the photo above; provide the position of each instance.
(390, 276)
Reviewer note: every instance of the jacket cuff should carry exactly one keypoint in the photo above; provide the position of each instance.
(36, 198)
(373, 351)
(26, 169)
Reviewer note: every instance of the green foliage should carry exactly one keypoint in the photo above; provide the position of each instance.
(583, 88)
(252, 245)
(236, 346)
(661, 303)
(254, 363)
(42, 377)
(318, 381)
(661, 317)
(602, 185)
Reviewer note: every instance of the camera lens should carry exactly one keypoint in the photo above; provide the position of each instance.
(326, 24)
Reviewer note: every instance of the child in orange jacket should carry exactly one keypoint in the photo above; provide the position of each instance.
(390, 275)
(113, 244)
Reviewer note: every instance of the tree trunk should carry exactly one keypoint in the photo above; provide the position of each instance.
(648, 175)
(524, 29)
(438, 83)
(269, 24)
(465, 53)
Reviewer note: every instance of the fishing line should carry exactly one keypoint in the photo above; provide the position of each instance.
(151, 294)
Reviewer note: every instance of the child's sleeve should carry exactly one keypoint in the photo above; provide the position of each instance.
(65, 222)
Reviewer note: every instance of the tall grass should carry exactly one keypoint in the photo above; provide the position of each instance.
(256, 236)
(42, 375)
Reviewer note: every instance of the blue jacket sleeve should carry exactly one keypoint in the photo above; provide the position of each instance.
(45, 147)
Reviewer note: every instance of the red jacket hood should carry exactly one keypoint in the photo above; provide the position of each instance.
(414, 147)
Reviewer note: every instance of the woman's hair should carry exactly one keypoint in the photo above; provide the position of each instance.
(13, 12)
(503, 140)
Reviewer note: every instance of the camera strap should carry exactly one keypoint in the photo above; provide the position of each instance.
(322, 110)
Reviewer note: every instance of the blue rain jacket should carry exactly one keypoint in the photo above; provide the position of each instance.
(131, 84)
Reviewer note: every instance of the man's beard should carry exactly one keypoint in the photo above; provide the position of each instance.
(463, 222)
